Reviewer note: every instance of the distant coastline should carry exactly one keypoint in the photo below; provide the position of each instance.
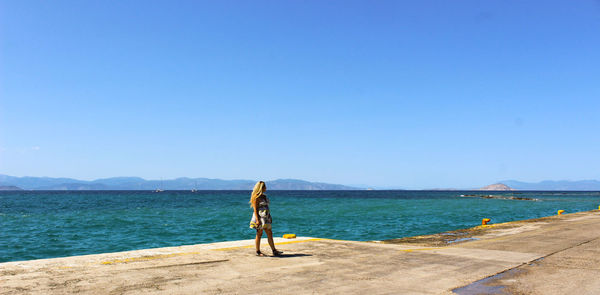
(12, 183)
(546, 185)
(10, 188)
(137, 183)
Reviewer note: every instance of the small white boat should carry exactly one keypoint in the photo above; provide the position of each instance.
(158, 190)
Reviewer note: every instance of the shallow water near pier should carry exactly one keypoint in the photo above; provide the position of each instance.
(46, 224)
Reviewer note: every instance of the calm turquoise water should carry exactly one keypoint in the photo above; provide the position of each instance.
(37, 225)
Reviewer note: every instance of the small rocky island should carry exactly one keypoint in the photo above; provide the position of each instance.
(496, 187)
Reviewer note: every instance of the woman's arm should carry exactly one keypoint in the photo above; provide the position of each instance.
(254, 205)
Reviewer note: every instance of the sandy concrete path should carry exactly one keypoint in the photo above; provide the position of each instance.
(554, 255)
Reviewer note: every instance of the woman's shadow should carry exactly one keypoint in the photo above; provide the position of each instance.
(291, 255)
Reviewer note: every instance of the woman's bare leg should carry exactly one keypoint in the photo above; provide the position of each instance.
(270, 238)
(257, 240)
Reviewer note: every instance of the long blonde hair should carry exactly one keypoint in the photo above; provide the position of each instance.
(259, 188)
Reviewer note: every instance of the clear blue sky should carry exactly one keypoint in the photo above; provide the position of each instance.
(411, 94)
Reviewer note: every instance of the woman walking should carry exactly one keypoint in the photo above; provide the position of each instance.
(261, 217)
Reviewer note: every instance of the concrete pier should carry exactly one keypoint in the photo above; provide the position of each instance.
(553, 255)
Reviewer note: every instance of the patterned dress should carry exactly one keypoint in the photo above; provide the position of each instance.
(262, 208)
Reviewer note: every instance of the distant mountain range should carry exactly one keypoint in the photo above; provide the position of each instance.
(10, 188)
(555, 185)
(546, 185)
(137, 183)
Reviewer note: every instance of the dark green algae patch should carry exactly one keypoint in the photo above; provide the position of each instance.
(465, 235)
(441, 239)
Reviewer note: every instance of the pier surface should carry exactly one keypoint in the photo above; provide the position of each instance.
(552, 255)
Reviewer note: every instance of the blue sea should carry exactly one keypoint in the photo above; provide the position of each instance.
(46, 224)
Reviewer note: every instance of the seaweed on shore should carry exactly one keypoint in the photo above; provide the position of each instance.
(441, 239)
(464, 235)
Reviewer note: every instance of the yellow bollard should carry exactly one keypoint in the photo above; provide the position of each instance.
(289, 236)
(485, 221)
(561, 212)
